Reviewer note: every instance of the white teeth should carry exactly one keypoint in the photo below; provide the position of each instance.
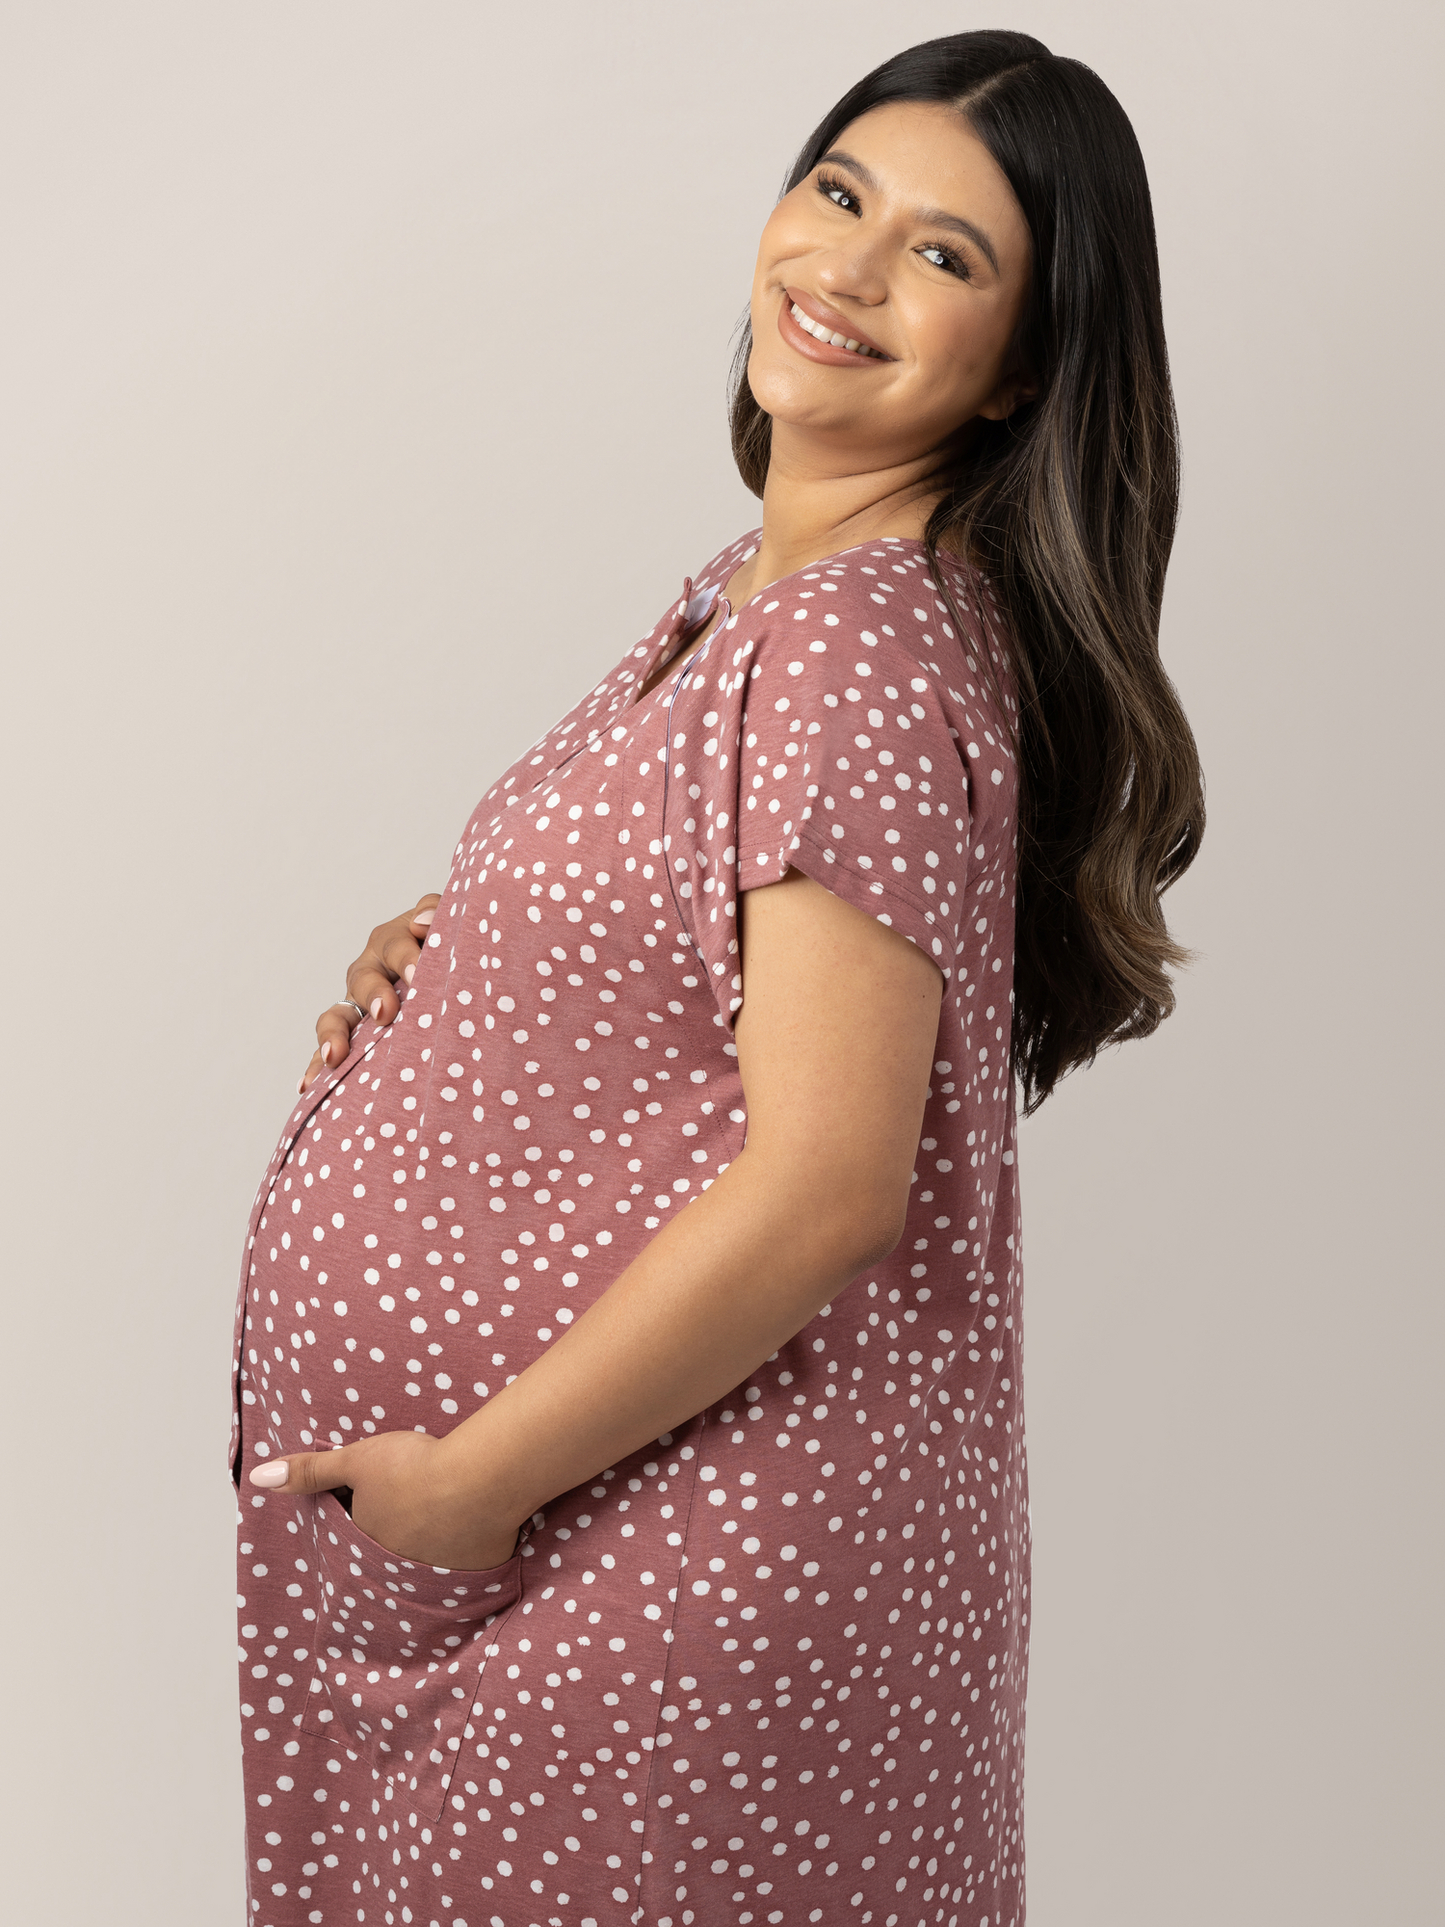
(820, 333)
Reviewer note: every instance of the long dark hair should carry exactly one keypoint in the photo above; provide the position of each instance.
(1069, 506)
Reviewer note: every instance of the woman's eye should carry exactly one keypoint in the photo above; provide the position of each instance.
(840, 197)
(938, 258)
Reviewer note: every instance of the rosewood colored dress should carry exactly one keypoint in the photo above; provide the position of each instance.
(770, 1668)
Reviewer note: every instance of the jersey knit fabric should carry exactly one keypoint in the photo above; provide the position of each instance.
(771, 1667)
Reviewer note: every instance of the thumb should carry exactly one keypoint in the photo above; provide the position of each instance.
(305, 1472)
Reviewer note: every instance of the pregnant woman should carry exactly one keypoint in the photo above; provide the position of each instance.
(633, 1505)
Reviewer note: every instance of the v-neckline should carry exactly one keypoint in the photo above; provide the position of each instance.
(660, 661)
(717, 604)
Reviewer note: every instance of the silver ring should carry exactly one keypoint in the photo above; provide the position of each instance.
(353, 1003)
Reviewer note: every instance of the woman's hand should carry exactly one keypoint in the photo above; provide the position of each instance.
(390, 955)
(404, 1496)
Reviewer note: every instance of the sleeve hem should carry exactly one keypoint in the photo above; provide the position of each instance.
(826, 865)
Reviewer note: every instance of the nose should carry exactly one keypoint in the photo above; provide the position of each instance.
(854, 273)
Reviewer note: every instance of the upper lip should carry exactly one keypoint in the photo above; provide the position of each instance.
(830, 318)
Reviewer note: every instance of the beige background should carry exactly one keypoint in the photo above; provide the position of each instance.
(363, 383)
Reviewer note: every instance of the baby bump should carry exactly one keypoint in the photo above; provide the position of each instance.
(358, 1317)
(325, 1364)
(371, 1309)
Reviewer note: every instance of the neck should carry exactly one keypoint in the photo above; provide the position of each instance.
(814, 506)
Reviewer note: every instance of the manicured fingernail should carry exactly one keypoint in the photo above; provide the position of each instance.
(423, 916)
(409, 972)
(270, 1476)
(376, 1006)
(326, 1053)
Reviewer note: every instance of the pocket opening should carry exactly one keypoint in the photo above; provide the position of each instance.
(401, 1650)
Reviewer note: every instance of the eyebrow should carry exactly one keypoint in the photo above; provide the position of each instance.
(928, 216)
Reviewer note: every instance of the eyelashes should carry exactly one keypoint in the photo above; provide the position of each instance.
(830, 186)
(839, 192)
(951, 258)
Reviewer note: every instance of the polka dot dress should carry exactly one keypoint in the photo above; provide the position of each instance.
(771, 1667)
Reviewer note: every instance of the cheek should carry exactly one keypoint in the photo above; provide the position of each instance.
(763, 316)
(959, 352)
(786, 237)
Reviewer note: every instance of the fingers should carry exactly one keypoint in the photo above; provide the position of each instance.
(371, 977)
(420, 929)
(371, 987)
(333, 1033)
(390, 957)
(305, 1472)
(401, 941)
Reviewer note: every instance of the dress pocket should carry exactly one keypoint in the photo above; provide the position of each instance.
(400, 1652)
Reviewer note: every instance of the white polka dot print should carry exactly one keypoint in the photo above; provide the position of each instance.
(771, 1668)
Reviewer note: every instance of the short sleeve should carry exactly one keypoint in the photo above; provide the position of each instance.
(851, 772)
(835, 757)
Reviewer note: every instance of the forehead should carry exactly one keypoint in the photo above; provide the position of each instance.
(926, 155)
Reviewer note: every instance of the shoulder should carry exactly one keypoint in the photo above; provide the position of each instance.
(874, 616)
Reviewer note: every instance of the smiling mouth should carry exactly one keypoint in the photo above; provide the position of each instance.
(830, 339)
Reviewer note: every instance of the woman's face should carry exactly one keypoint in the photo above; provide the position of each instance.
(906, 241)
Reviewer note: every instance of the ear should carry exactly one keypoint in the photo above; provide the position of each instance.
(1011, 392)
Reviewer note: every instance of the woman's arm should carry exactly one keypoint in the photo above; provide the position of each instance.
(835, 1041)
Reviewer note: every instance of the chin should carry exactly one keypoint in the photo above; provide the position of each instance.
(796, 394)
